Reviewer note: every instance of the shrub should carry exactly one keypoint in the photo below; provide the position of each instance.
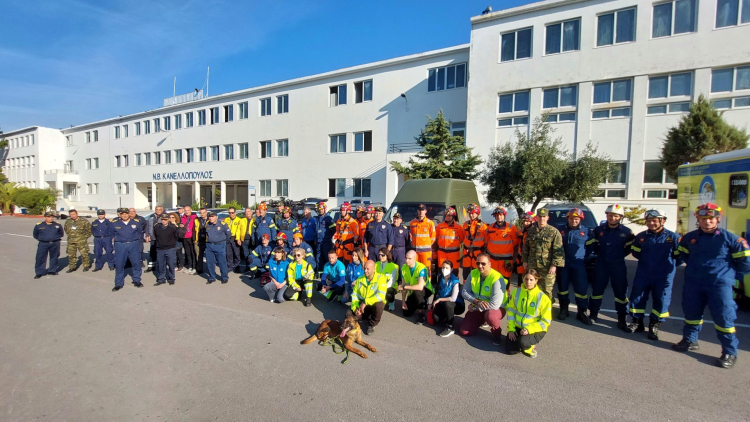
(37, 201)
(231, 204)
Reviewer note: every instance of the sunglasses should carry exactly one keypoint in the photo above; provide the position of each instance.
(230, 212)
(299, 256)
(382, 254)
(482, 264)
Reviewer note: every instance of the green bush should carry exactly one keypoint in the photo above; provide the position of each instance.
(231, 204)
(37, 201)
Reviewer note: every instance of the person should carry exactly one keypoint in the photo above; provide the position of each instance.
(153, 220)
(401, 240)
(389, 270)
(300, 275)
(422, 231)
(474, 240)
(279, 213)
(527, 220)
(180, 250)
(238, 227)
(362, 222)
(447, 301)
(136, 217)
(347, 232)
(529, 316)
(246, 237)
(309, 229)
(78, 230)
(188, 223)
(199, 238)
(354, 270)
(48, 233)
(543, 251)
(611, 243)
(368, 297)
(102, 231)
(378, 234)
(263, 224)
(180, 211)
(415, 288)
(261, 255)
(217, 235)
(174, 219)
(486, 294)
(713, 257)
(287, 224)
(574, 240)
(277, 269)
(128, 241)
(333, 278)
(166, 237)
(502, 240)
(282, 243)
(325, 228)
(449, 236)
(298, 242)
(656, 252)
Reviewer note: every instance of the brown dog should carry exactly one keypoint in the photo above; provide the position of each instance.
(349, 331)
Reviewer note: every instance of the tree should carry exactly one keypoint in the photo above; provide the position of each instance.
(443, 155)
(3, 145)
(537, 167)
(7, 197)
(37, 201)
(701, 132)
(635, 215)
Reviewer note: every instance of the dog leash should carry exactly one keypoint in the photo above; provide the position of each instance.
(332, 342)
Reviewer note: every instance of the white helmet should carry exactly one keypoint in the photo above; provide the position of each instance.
(615, 209)
(655, 214)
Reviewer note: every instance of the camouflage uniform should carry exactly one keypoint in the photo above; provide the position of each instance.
(78, 233)
(543, 249)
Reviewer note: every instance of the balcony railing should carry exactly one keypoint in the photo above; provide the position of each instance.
(405, 147)
(58, 171)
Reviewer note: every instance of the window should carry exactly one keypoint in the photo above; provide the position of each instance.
(336, 187)
(214, 115)
(265, 106)
(282, 104)
(202, 156)
(677, 85)
(201, 117)
(157, 158)
(674, 17)
(363, 141)
(265, 188)
(363, 91)
(362, 188)
(265, 149)
(92, 163)
(96, 136)
(338, 143)
(117, 132)
(146, 127)
(459, 129)
(167, 157)
(124, 131)
(125, 189)
(118, 188)
(516, 45)
(189, 119)
(178, 156)
(88, 164)
(147, 158)
(178, 121)
(448, 77)
(282, 188)
(616, 27)
(215, 153)
(660, 194)
(563, 36)
(157, 125)
(88, 139)
(654, 173)
(612, 92)
(69, 140)
(243, 110)
(138, 159)
(610, 193)
(244, 151)
(730, 79)
(517, 102)
(729, 12)
(137, 128)
(738, 191)
(94, 188)
(189, 155)
(229, 152)
(618, 173)
(560, 97)
(337, 95)
(167, 123)
(282, 148)
(228, 113)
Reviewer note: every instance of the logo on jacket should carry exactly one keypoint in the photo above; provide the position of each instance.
(668, 239)
(601, 234)
(532, 304)
(693, 241)
(486, 288)
(582, 234)
(623, 235)
(643, 239)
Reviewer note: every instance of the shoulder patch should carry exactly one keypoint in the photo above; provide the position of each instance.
(742, 242)
(113, 220)
(38, 223)
(693, 241)
(136, 220)
(643, 239)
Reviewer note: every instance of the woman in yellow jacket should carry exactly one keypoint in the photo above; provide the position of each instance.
(529, 316)
(299, 273)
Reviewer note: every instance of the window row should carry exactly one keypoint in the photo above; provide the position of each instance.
(20, 162)
(282, 188)
(21, 141)
(341, 143)
(122, 189)
(92, 188)
(337, 94)
(360, 188)
(92, 163)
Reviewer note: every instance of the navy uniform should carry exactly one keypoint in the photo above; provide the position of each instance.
(289, 227)
(574, 241)
(103, 248)
(309, 254)
(401, 239)
(263, 225)
(378, 235)
(611, 246)
(217, 235)
(49, 236)
(325, 227)
(128, 240)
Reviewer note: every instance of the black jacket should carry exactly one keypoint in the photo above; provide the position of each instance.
(166, 236)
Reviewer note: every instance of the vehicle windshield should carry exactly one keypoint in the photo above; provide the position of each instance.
(409, 212)
(558, 219)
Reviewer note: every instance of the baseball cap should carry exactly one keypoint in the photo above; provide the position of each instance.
(542, 212)
(381, 209)
(422, 207)
(49, 214)
(122, 211)
(211, 214)
(397, 215)
(101, 212)
(164, 216)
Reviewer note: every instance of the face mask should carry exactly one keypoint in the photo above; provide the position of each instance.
(446, 272)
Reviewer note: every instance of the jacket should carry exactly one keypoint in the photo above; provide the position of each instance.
(291, 274)
(529, 309)
(611, 245)
(449, 237)
(574, 241)
(371, 291)
(656, 254)
(543, 248)
(238, 227)
(501, 241)
(474, 241)
(713, 258)
(422, 235)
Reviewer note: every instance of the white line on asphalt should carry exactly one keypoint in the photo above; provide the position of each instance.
(25, 235)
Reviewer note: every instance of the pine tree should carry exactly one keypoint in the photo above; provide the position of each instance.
(443, 155)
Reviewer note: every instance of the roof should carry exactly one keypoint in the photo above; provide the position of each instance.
(436, 191)
(740, 153)
(13, 132)
(527, 8)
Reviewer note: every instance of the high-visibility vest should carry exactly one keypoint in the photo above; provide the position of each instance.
(372, 292)
(422, 235)
(291, 274)
(387, 271)
(449, 237)
(529, 309)
(411, 278)
(238, 226)
(501, 241)
(482, 290)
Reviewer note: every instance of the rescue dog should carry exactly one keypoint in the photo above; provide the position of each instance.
(349, 332)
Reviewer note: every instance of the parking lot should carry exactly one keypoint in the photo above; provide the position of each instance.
(70, 349)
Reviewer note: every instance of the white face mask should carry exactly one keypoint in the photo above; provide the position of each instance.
(446, 272)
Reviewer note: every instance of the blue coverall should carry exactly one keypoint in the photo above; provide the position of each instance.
(288, 226)
(261, 255)
(128, 248)
(49, 236)
(216, 249)
(325, 227)
(401, 240)
(574, 244)
(263, 225)
(657, 262)
(611, 245)
(103, 248)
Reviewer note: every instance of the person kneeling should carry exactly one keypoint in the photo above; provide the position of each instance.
(300, 273)
(368, 296)
(529, 316)
(276, 286)
(416, 288)
(485, 290)
(333, 278)
(448, 301)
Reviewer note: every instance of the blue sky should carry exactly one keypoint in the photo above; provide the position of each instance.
(68, 62)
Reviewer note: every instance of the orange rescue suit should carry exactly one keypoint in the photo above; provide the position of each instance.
(450, 236)
(347, 231)
(422, 238)
(502, 240)
(474, 232)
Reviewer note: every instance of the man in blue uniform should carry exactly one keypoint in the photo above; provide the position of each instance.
(574, 239)
(712, 256)
(263, 224)
(153, 220)
(379, 234)
(325, 227)
(217, 234)
(287, 225)
(309, 228)
(261, 255)
(655, 251)
(103, 249)
(128, 240)
(49, 234)
(611, 243)
(401, 240)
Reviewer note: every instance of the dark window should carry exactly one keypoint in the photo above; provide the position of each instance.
(738, 191)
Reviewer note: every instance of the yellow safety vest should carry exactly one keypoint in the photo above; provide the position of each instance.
(372, 292)
(484, 292)
(411, 280)
(529, 309)
(387, 271)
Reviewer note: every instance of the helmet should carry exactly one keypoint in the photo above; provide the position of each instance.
(708, 210)
(528, 216)
(575, 212)
(473, 208)
(263, 206)
(499, 210)
(450, 211)
(360, 208)
(346, 208)
(655, 214)
(297, 235)
(281, 236)
(615, 209)
(284, 209)
(370, 209)
(322, 206)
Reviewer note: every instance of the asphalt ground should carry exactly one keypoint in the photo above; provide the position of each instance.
(70, 349)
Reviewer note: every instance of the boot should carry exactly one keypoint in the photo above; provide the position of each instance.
(581, 316)
(622, 322)
(653, 330)
(594, 316)
(635, 326)
(563, 313)
(726, 360)
(685, 346)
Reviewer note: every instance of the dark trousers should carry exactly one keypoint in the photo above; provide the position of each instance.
(104, 251)
(129, 252)
(373, 313)
(189, 246)
(417, 300)
(390, 295)
(444, 312)
(233, 254)
(617, 273)
(199, 264)
(335, 290)
(523, 342)
(45, 249)
(165, 264)
(152, 254)
(180, 255)
(216, 253)
(321, 256)
(247, 252)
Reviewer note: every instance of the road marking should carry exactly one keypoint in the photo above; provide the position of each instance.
(708, 321)
(31, 237)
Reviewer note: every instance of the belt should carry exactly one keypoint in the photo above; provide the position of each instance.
(128, 242)
(217, 243)
(101, 237)
(399, 247)
(379, 246)
(49, 241)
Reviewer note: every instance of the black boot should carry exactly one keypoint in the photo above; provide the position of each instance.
(581, 316)
(594, 316)
(622, 322)
(635, 326)
(684, 346)
(563, 313)
(653, 329)
(307, 301)
(726, 361)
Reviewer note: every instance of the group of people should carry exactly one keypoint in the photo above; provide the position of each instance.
(367, 263)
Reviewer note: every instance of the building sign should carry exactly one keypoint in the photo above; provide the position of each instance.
(185, 175)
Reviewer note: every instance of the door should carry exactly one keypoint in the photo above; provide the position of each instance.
(149, 194)
(70, 191)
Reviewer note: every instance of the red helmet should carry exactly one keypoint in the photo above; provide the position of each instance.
(499, 210)
(346, 208)
(370, 209)
(281, 236)
(575, 212)
(263, 206)
(322, 207)
(708, 210)
(529, 216)
(473, 208)
(286, 209)
(450, 211)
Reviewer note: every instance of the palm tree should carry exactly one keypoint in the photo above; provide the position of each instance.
(7, 192)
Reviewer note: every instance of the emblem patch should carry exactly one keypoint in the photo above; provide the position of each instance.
(623, 235)
(643, 239)
(132, 225)
(693, 241)
(582, 234)
(601, 234)
(486, 288)
(383, 227)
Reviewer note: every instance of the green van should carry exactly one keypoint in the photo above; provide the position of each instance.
(436, 195)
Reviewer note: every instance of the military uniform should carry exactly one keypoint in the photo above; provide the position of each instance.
(49, 236)
(78, 232)
(542, 250)
(103, 248)
(128, 240)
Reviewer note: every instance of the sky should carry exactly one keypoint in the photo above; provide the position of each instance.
(69, 62)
